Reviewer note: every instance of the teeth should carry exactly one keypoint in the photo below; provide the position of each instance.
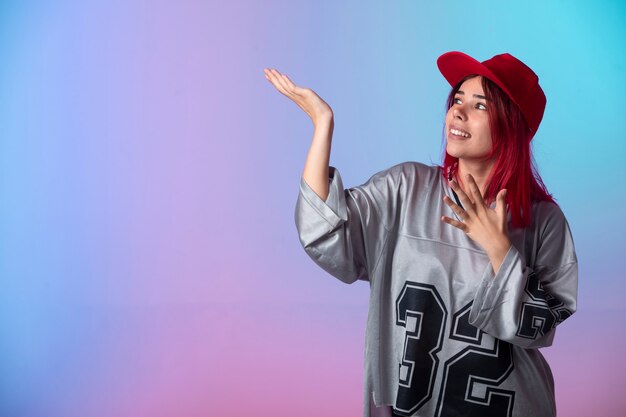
(459, 133)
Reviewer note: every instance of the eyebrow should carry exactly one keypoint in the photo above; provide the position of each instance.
(475, 95)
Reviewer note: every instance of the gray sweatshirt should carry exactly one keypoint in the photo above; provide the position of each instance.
(445, 336)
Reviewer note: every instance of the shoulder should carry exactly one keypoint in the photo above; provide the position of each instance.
(550, 221)
(547, 213)
(553, 236)
(401, 181)
(409, 171)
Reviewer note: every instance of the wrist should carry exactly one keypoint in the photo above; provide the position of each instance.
(497, 252)
(324, 120)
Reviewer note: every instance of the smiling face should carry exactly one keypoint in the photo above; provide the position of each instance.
(468, 135)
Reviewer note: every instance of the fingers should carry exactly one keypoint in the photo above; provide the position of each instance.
(279, 81)
(273, 78)
(465, 200)
(283, 81)
(501, 204)
(289, 83)
(270, 76)
(305, 98)
(455, 223)
(475, 191)
(458, 210)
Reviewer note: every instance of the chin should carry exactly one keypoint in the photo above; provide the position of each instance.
(450, 149)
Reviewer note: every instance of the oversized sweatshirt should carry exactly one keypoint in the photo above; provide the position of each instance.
(445, 335)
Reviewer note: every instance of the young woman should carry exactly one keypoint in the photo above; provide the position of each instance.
(471, 264)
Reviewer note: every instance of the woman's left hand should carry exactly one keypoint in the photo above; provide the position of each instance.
(484, 225)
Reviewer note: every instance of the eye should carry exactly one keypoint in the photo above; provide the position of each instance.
(481, 104)
(456, 99)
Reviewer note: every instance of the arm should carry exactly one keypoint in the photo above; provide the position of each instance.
(345, 233)
(334, 224)
(320, 211)
(522, 304)
(316, 167)
(315, 171)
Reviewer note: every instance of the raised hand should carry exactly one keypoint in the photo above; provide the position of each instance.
(484, 225)
(312, 104)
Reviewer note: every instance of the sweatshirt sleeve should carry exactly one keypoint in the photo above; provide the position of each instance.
(523, 304)
(345, 234)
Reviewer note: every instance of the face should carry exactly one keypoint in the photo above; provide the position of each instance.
(468, 115)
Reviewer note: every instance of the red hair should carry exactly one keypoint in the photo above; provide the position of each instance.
(514, 166)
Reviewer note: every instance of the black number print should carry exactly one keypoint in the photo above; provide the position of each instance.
(538, 319)
(470, 381)
(471, 378)
(420, 310)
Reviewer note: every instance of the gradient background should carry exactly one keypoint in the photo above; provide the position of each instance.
(149, 261)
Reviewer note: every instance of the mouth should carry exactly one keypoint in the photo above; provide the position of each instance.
(459, 133)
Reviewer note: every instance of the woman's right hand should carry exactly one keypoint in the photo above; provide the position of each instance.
(312, 104)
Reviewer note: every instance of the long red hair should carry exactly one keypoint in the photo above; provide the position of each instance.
(514, 167)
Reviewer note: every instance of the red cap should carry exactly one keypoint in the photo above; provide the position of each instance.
(518, 81)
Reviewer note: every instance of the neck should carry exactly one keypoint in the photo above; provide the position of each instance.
(480, 170)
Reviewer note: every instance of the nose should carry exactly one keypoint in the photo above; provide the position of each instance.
(459, 114)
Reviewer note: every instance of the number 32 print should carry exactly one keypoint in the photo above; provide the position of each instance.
(421, 311)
